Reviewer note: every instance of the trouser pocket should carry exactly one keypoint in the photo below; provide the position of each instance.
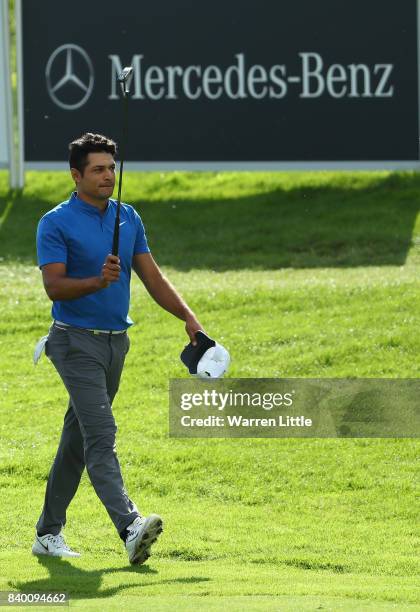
(58, 344)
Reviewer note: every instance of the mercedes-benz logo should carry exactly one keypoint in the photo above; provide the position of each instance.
(74, 87)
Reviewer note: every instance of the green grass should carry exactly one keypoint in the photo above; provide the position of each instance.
(260, 221)
(303, 275)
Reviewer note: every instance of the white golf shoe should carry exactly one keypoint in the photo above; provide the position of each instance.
(142, 533)
(53, 545)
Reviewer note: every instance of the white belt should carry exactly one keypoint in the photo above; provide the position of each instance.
(95, 331)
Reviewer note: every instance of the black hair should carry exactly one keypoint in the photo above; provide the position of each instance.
(89, 143)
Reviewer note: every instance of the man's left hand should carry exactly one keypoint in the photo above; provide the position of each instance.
(192, 325)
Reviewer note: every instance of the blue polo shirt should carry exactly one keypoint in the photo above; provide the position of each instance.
(79, 235)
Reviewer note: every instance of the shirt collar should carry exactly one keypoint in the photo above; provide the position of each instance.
(88, 208)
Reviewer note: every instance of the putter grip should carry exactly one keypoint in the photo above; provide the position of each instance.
(116, 237)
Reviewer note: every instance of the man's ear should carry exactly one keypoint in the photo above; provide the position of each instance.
(75, 175)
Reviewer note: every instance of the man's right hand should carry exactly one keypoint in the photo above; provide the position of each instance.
(110, 271)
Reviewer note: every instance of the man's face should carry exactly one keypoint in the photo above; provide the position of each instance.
(98, 178)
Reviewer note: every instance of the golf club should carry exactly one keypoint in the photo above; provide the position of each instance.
(122, 79)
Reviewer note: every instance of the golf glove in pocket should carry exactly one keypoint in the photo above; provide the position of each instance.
(40, 346)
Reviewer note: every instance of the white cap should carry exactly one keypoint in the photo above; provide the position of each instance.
(214, 363)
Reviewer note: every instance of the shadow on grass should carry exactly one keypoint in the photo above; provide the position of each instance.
(66, 577)
(6, 205)
(305, 227)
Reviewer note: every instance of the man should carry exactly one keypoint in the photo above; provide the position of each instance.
(87, 342)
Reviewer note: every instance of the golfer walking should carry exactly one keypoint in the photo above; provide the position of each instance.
(88, 341)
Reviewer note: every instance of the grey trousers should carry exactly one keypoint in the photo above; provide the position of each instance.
(90, 366)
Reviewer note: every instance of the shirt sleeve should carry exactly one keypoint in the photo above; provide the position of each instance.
(140, 245)
(50, 243)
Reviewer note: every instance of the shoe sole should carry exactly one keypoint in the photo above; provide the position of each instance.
(153, 527)
(39, 552)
